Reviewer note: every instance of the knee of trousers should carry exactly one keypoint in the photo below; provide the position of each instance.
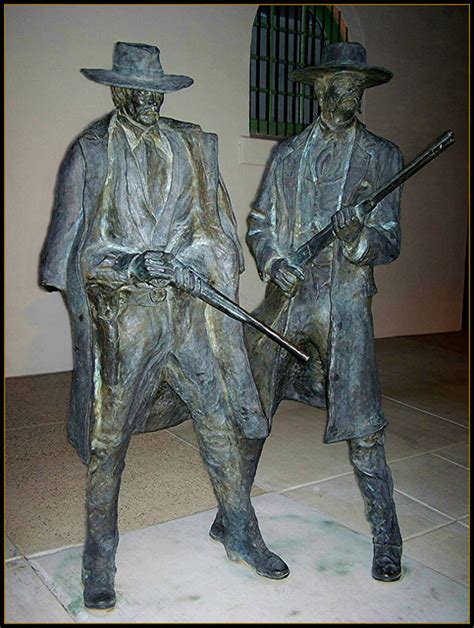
(108, 452)
(219, 446)
(367, 454)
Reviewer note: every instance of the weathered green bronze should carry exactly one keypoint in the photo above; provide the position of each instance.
(320, 288)
(142, 232)
(308, 251)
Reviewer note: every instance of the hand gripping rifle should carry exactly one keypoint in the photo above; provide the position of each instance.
(314, 245)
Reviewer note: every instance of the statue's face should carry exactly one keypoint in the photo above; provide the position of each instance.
(342, 96)
(143, 107)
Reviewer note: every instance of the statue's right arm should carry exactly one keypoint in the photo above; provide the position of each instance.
(66, 220)
(262, 236)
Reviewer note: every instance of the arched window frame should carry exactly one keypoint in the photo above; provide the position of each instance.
(278, 106)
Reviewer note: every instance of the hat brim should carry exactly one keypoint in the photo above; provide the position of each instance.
(164, 84)
(372, 75)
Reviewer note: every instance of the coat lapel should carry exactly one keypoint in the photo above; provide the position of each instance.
(296, 186)
(164, 217)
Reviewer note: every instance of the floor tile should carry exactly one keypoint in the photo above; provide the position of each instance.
(341, 500)
(455, 453)
(457, 341)
(171, 573)
(424, 376)
(11, 551)
(464, 521)
(164, 478)
(28, 600)
(45, 483)
(37, 399)
(294, 453)
(411, 432)
(433, 481)
(445, 550)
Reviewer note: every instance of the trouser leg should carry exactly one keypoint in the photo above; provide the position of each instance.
(230, 461)
(222, 397)
(375, 482)
(102, 493)
(120, 399)
(102, 535)
(249, 454)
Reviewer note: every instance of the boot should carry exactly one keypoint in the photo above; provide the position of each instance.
(236, 526)
(248, 546)
(376, 485)
(102, 537)
(99, 591)
(386, 564)
(217, 531)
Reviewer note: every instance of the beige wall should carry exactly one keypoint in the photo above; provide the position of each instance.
(48, 102)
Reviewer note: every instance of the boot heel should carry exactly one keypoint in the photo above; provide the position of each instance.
(232, 555)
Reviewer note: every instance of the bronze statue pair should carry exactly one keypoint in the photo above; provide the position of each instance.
(143, 231)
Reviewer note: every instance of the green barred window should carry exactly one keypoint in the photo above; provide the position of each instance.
(285, 38)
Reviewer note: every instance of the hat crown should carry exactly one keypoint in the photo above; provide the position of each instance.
(137, 60)
(350, 53)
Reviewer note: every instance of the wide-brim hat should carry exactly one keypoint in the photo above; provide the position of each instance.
(348, 56)
(138, 66)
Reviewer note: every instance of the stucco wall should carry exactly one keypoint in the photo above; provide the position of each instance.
(48, 102)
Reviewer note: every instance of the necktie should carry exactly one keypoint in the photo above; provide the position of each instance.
(156, 175)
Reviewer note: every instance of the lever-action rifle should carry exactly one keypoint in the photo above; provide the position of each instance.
(306, 252)
(213, 297)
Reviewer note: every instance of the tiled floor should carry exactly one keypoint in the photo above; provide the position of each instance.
(309, 507)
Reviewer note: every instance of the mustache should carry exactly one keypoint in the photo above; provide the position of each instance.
(148, 110)
(350, 96)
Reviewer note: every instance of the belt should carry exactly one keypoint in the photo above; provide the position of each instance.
(147, 297)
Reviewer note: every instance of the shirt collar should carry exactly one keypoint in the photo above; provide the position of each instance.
(340, 133)
(136, 132)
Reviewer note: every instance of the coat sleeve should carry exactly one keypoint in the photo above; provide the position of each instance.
(379, 240)
(262, 235)
(228, 221)
(65, 221)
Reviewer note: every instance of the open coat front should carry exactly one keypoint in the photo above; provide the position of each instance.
(200, 232)
(350, 387)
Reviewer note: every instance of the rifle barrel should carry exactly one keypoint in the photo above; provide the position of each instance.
(437, 147)
(314, 245)
(221, 302)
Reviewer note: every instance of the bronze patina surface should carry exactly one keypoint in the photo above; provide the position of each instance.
(141, 221)
(313, 180)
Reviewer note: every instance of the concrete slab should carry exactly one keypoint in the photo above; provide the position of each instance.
(172, 572)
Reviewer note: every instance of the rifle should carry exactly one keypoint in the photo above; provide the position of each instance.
(318, 242)
(213, 297)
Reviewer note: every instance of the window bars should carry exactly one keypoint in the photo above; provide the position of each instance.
(285, 38)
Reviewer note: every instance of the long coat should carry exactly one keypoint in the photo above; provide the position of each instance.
(349, 387)
(201, 233)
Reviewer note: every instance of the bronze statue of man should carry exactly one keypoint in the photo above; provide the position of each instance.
(313, 180)
(141, 213)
